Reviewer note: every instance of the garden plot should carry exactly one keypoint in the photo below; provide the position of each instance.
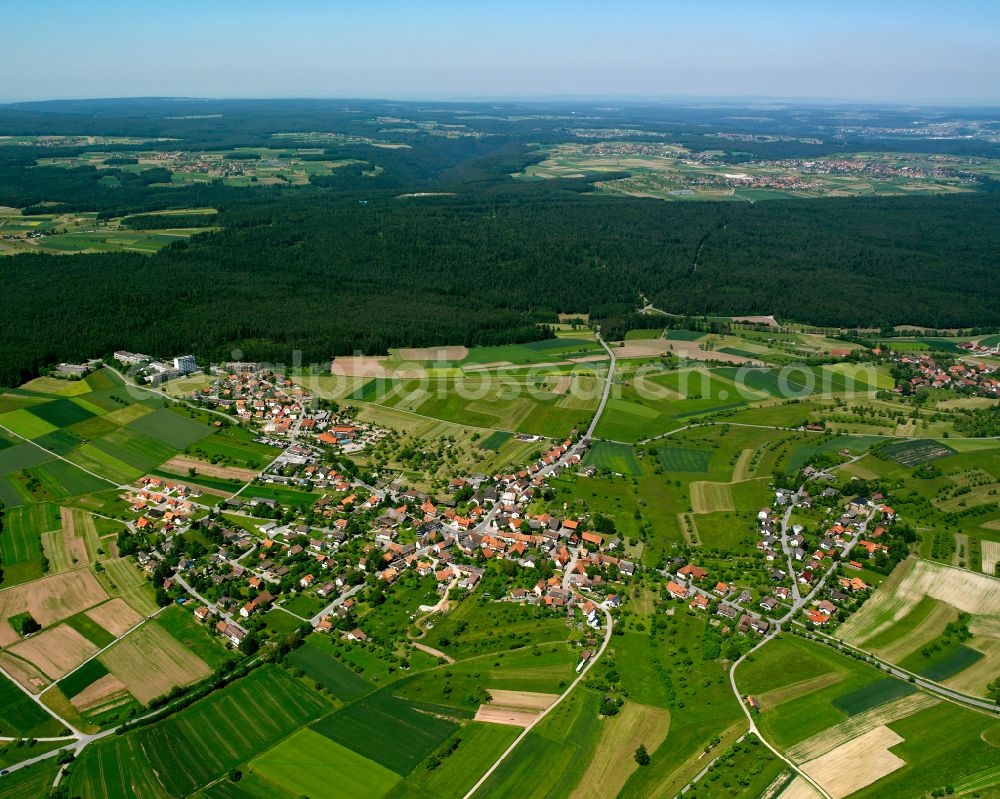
(916, 453)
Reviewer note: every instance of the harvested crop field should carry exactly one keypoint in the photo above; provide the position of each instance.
(621, 735)
(840, 734)
(181, 463)
(116, 616)
(56, 652)
(492, 714)
(925, 622)
(643, 348)
(23, 672)
(150, 662)
(856, 764)
(991, 556)
(963, 590)
(361, 366)
(518, 708)
(106, 690)
(799, 788)
(692, 352)
(982, 626)
(525, 700)
(49, 600)
(125, 579)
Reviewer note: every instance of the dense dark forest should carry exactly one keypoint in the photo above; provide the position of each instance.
(347, 264)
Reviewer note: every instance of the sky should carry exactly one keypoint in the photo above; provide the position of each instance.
(877, 50)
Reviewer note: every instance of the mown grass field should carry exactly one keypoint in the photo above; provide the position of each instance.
(170, 427)
(680, 459)
(193, 635)
(123, 578)
(494, 440)
(548, 405)
(387, 730)
(310, 764)
(25, 424)
(691, 685)
(544, 670)
(186, 751)
(633, 726)
(669, 402)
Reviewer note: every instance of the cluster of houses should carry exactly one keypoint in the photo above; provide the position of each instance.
(163, 506)
(978, 348)
(977, 378)
(688, 582)
(271, 401)
(450, 538)
(277, 406)
(553, 594)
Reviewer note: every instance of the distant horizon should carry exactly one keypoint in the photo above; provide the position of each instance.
(898, 51)
(736, 100)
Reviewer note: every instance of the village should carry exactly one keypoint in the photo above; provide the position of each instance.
(259, 556)
(922, 371)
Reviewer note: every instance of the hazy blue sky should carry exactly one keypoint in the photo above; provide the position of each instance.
(877, 49)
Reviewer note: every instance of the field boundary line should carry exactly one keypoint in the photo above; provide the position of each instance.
(60, 457)
(100, 652)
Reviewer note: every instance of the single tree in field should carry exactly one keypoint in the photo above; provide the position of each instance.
(641, 755)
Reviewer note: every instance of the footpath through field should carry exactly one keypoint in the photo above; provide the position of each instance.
(550, 708)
